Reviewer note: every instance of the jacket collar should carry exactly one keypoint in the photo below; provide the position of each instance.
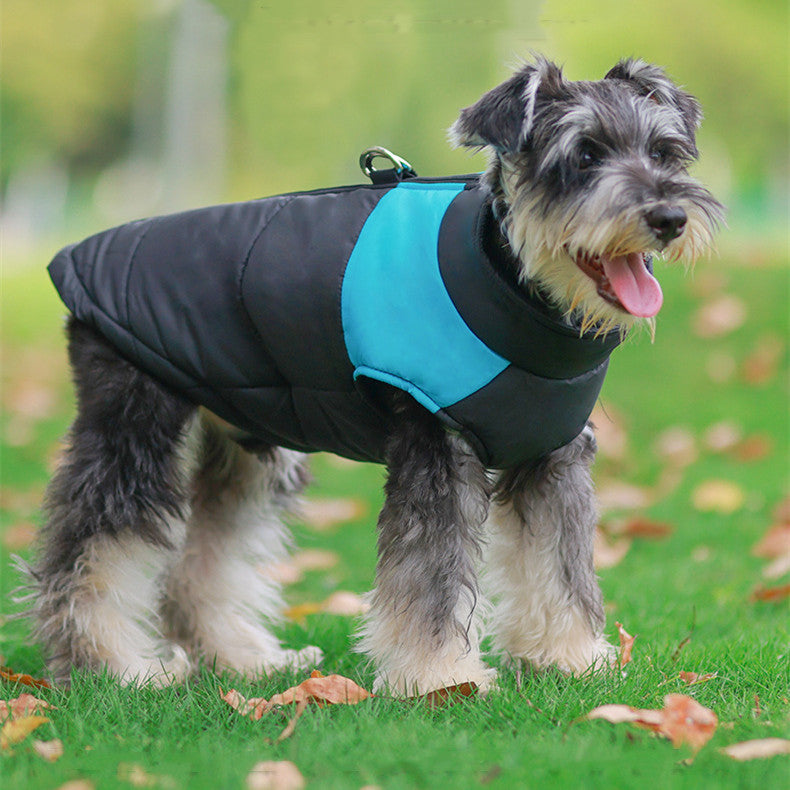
(519, 326)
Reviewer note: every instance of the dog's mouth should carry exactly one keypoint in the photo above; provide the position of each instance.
(625, 281)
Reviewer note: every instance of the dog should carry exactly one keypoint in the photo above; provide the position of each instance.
(213, 350)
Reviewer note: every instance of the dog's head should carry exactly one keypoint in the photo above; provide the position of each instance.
(590, 179)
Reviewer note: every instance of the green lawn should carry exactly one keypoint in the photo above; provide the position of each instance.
(695, 584)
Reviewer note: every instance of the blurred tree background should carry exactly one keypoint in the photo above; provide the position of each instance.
(112, 111)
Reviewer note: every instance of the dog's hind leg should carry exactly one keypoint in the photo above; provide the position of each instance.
(115, 511)
(221, 594)
(421, 630)
(548, 608)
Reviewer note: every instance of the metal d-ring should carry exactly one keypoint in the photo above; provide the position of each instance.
(402, 168)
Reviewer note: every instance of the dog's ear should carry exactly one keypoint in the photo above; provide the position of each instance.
(651, 81)
(504, 116)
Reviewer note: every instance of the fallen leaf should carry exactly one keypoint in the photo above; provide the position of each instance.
(642, 527)
(771, 594)
(315, 559)
(340, 602)
(718, 496)
(329, 690)
(19, 536)
(78, 784)
(254, 707)
(676, 446)
(757, 749)
(281, 572)
(686, 721)
(271, 775)
(778, 568)
(447, 696)
(49, 750)
(23, 705)
(775, 542)
(617, 495)
(606, 553)
(682, 720)
(325, 513)
(701, 554)
(692, 678)
(761, 364)
(135, 775)
(719, 316)
(782, 511)
(6, 673)
(345, 603)
(753, 448)
(16, 730)
(626, 645)
(722, 436)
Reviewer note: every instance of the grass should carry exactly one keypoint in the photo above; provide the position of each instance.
(694, 585)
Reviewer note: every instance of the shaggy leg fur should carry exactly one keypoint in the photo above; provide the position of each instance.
(421, 630)
(219, 590)
(115, 519)
(548, 607)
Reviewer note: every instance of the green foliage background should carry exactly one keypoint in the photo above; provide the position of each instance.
(313, 83)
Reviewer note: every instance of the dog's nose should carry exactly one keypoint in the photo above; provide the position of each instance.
(667, 222)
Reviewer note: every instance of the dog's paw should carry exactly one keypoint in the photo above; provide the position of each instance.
(305, 658)
(172, 667)
(575, 658)
(401, 683)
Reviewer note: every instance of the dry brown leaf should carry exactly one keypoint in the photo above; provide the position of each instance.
(757, 749)
(49, 750)
(78, 784)
(676, 446)
(447, 696)
(281, 572)
(606, 553)
(782, 511)
(340, 602)
(719, 316)
(692, 678)
(626, 645)
(753, 448)
(19, 536)
(254, 707)
(682, 720)
(271, 775)
(345, 603)
(315, 559)
(686, 721)
(763, 362)
(16, 730)
(23, 705)
(778, 568)
(617, 495)
(642, 527)
(718, 496)
(326, 513)
(722, 436)
(775, 542)
(329, 690)
(770, 594)
(6, 673)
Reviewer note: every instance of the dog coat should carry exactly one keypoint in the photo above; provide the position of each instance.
(278, 314)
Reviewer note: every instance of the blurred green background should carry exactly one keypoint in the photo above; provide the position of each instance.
(121, 109)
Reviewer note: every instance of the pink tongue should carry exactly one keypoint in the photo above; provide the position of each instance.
(637, 289)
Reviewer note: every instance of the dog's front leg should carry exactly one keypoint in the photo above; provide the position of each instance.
(548, 607)
(421, 629)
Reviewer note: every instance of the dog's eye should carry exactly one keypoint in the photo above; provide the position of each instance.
(659, 153)
(588, 157)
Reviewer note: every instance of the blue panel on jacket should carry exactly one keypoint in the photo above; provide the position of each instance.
(399, 323)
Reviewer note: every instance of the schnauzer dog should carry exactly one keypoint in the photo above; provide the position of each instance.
(456, 329)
